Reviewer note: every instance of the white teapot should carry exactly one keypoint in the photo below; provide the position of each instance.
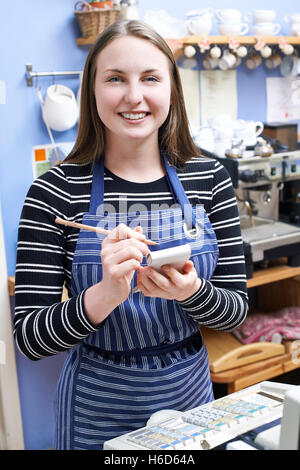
(247, 131)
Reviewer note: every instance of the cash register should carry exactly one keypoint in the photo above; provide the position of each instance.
(265, 416)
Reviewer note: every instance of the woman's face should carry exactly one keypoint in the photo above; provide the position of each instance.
(132, 89)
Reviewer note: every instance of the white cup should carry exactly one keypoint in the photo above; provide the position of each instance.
(215, 52)
(241, 51)
(294, 18)
(295, 29)
(261, 16)
(199, 26)
(266, 29)
(233, 29)
(266, 52)
(228, 15)
(248, 131)
(189, 51)
(288, 49)
(60, 108)
(199, 21)
(227, 61)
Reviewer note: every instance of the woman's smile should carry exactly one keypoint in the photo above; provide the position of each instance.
(134, 117)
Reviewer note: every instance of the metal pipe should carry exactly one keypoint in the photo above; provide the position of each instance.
(30, 74)
(250, 213)
(249, 209)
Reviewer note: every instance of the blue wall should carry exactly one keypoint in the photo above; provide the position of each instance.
(44, 33)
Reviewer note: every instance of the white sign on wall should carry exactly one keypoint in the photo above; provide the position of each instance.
(283, 99)
(218, 94)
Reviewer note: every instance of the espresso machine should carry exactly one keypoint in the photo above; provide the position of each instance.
(262, 186)
(266, 189)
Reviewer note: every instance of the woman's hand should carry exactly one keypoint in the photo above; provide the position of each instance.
(122, 253)
(172, 285)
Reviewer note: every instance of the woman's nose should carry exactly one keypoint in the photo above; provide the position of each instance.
(133, 94)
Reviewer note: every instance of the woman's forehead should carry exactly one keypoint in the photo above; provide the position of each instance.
(129, 51)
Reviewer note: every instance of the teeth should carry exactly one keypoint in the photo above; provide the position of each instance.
(133, 116)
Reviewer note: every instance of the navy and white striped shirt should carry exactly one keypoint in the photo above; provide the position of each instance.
(44, 325)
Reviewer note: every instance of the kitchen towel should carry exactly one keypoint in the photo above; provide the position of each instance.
(276, 326)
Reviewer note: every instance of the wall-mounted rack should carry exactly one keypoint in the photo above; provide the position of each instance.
(30, 74)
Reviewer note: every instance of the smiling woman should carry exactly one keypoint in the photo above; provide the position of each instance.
(132, 331)
(90, 140)
(132, 99)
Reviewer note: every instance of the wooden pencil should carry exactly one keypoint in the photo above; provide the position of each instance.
(93, 229)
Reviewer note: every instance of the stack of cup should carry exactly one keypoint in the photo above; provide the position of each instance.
(199, 22)
(294, 21)
(263, 22)
(230, 22)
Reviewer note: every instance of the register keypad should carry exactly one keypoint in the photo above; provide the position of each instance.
(197, 425)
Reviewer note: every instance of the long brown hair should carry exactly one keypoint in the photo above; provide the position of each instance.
(174, 136)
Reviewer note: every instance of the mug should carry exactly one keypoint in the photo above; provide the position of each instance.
(261, 16)
(294, 18)
(189, 51)
(273, 61)
(228, 15)
(241, 51)
(210, 63)
(227, 61)
(266, 52)
(266, 29)
(215, 52)
(295, 29)
(60, 108)
(233, 29)
(253, 61)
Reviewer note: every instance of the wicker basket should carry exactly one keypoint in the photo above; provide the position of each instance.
(92, 21)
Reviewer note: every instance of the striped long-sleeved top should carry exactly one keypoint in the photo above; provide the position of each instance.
(44, 325)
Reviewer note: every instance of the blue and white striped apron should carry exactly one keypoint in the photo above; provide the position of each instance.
(148, 355)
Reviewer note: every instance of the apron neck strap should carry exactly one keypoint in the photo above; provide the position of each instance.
(176, 188)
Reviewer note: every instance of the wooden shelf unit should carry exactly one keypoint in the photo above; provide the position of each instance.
(273, 274)
(278, 287)
(246, 40)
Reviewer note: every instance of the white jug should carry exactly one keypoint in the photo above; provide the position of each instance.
(59, 109)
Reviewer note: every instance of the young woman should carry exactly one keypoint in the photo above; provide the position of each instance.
(135, 170)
